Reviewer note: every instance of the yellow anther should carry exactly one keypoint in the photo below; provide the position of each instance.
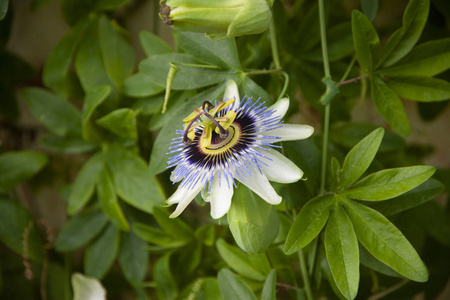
(206, 136)
(221, 105)
(192, 115)
(191, 134)
(226, 121)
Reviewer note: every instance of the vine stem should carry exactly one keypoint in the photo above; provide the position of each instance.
(326, 125)
(305, 275)
(352, 80)
(273, 44)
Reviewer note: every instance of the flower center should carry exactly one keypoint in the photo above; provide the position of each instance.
(220, 145)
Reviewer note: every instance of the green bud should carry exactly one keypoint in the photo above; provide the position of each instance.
(218, 19)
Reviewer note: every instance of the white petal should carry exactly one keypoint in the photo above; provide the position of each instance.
(220, 197)
(280, 107)
(259, 184)
(183, 196)
(87, 288)
(232, 91)
(291, 132)
(280, 169)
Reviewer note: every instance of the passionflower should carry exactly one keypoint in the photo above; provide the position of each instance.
(228, 141)
(218, 19)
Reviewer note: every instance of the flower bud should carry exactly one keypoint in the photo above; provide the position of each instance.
(218, 19)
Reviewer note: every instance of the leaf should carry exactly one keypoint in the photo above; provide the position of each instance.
(419, 195)
(132, 179)
(341, 247)
(3, 8)
(349, 134)
(174, 227)
(420, 88)
(101, 254)
(168, 132)
(231, 287)
(222, 53)
(205, 234)
(153, 44)
(252, 266)
(56, 114)
(269, 290)
(360, 157)
(367, 43)
(87, 288)
(309, 28)
(389, 183)
(252, 90)
(109, 202)
(370, 8)
(93, 99)
(404, 39)
(18, 166)
(385, 242)
(141, 85)
(133, 257)
(122, 122)
(253, 222)
(89, 63)
(15, 225)
(80, 230)
(157, 236)
(427, 59)
(84, 185)
(166, 287)
(308, 223)
(371, 262)
(74, 10)
(66, 144)
(389, 106)
(56, 67)
(192, 73)
(117, 53)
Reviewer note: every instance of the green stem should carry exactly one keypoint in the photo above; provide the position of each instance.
(326, 126)
(273, 44)
(285, 86)
(263, 72)
(305, 275)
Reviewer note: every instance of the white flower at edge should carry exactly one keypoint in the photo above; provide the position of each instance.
(209, 158)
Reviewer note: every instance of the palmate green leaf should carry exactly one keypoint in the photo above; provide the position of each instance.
(231, 287)
(269, 290)
(157, 162)
(117, 53)
(427, 59)
(166, 286)
(371, 262)
(420, 88)
(57, 65)
(341, 247)
(56, 114)
(367, 43)
(349, 134)
(251, 89)
(141, 85)
(389, 183)
(309, 29)
(153, 44)
(253, 222)
(16, 219)
(92, 101)
(370, 8)
(101, 254)
(133, 257)
(389, 106)
(74, 10)
(308, 223)
(360, 157)
(253, 266)
(109, 202)
(404, 39)
(18, 166)
(205, 234)
(89, 63)
(157, 236)
(122, 122)
(385, 242)
(188, 76)
(66, 144)
(132, 179)
(174, 227)
(80, 230)
(419, 195)
(3, 8)
(84, 185)
(221, 53)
